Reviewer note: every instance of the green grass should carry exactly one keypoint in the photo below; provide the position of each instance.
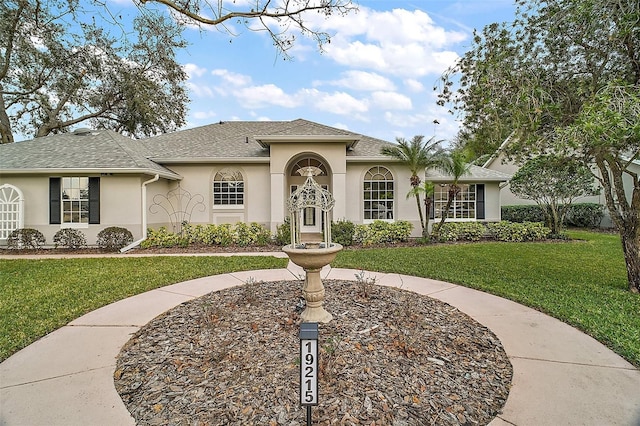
(582, 283)
(39, 296)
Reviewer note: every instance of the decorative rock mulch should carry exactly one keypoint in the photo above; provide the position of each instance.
(389, 357)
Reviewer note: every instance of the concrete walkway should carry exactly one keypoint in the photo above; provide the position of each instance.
(561, 376)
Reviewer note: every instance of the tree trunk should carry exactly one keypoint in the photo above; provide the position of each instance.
(6, 135)
(631, 249)
(424, 229)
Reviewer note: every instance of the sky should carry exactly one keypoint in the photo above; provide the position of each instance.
(375, 78)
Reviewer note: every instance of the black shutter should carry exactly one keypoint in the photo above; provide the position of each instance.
(480, 201)
(55, 209)
(94, 200)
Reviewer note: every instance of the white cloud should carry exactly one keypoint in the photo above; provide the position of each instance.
(201, 90)
(203, 115)
(265, 95)
(340, 103)
(193, 70)
(414, 85)
(399, 42)
(360, 80)
(391, 100)
(232, 77)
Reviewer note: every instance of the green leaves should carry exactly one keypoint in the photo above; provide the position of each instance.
(61, 65)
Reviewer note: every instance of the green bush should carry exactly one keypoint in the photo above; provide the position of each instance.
(518, 232)
(462, 231)
(342, 232)
(242, 234)
(582, 215)
(69, 238)
(522, 213)
(252, 234)
(161, 237)
(283, 233)
(26, 238)
(114, 238)
(585, 215)
(381, 232)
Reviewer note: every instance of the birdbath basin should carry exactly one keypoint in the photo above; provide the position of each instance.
(312, 258)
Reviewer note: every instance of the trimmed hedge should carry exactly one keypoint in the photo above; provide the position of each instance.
(518, 232)
(114, 238)
(26, 238)
(381, 232)
(241, 234)
(461, 231)
(582, 215)
(69, 238)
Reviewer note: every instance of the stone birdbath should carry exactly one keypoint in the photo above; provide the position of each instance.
(312, 257)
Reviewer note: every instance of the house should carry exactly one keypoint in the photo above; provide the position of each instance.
(499, 162)
(220, 173)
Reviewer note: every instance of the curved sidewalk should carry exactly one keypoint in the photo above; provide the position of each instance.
(561, 376)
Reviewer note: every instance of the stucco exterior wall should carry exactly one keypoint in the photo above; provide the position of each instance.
(120, 202)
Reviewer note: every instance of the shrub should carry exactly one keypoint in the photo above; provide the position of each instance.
(69, 238)
(283, 233)
(518, 232)
(161, 237)
(523, 213)
(250, 234)
(585, 215)
(380, 232)
(262, 236)
(462, 231)
(114, 238)
(26, 238)
(342, 232)
(223, 235)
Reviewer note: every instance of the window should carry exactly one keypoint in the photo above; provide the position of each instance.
(11, 210)
(378, 194)
(74, 200)
(228, 189)
(463, 206)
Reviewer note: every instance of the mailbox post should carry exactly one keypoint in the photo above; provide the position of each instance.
(308, 366)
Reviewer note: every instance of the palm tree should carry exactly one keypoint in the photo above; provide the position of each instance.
(417, 155)
(456, 165)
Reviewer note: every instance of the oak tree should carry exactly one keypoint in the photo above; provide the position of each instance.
(543, 75)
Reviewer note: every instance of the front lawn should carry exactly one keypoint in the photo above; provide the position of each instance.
(39, 296)
(581, 282)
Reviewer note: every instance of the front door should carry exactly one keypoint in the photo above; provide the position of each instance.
(310, 217)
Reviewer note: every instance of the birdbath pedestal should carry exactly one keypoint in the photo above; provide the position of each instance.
(312, 260)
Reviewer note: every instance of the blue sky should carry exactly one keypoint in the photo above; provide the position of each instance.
(374, 78)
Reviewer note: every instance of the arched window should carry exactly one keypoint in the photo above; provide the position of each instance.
(378, 194)
(11, 210)
(228, 189)
(308, 162)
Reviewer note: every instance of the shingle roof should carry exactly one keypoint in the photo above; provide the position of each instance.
(476, 174)
(98, 151)
(108, 151)
(237, 139)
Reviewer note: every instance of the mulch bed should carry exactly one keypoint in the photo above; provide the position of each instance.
(389, 357)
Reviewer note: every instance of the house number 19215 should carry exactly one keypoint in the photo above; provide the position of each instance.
(309, 372)
(308, 366)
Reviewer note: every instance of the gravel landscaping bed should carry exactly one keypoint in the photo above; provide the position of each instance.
(389, 357)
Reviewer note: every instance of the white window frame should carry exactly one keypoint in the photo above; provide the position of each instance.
(465, 201)
(11, 210)
(228, 178)
(73, 186)
(386, 178)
